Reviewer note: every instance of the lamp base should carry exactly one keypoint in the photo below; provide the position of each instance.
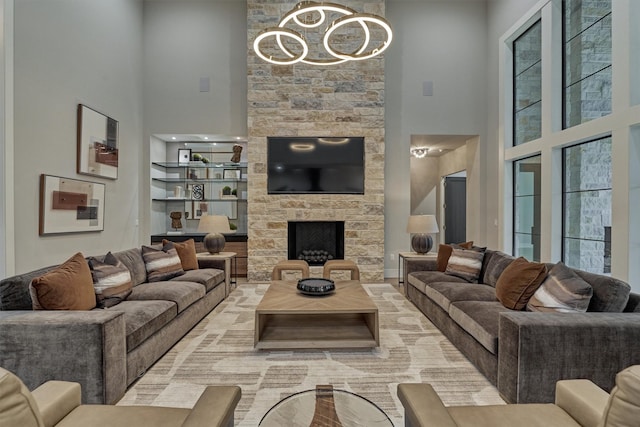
(421, 243)
(214, 242)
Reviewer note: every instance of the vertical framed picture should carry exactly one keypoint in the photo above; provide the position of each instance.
(97, 144)
(197, 191)
(184, 156)
(70, 205)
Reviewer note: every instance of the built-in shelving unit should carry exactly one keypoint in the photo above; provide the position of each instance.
(211, 185)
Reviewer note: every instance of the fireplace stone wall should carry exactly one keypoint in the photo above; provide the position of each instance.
(310, 100)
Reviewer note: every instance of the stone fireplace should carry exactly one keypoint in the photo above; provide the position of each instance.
(315, 241)
(309, 100)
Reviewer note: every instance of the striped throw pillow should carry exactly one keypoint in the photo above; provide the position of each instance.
(563, 291)
(161, 264)
(111, 280)
(465, 264)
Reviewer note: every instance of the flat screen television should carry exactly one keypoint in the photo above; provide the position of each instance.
(315, 165)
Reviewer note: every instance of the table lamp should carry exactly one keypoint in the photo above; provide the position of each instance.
(421, 226)
(214, 225)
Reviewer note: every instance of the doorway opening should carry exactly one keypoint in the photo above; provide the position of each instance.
(454, 208)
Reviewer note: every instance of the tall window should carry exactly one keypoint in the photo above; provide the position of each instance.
(526, 208)
(527, 85)
(587, 206)
(587, 60)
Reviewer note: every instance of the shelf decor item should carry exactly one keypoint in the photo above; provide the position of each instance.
(421, 226)
(197, 191)
(184, 156)
(231, 174)
(70, 205)
(97, 144)
(214, 226)
(316, 286)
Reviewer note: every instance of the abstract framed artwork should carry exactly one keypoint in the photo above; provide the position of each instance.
(70, 205)
(97, 144)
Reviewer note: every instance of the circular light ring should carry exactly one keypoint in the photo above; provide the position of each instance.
(311, 6)
(363, 19)
(302, 146)
(308, 7)
(278, 33)
(333, 140)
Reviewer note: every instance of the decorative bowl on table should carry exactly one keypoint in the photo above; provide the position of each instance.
(316, 286)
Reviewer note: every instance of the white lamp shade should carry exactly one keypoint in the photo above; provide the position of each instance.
(422, 224)
(214, 224)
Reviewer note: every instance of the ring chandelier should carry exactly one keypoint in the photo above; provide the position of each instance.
(419, 152)
(309, 15)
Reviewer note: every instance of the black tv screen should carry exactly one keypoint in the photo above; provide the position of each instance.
(315, 165)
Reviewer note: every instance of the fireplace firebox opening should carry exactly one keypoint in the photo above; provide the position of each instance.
(315, 241)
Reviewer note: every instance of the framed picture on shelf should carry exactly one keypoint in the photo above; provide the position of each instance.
(197, 191)
(70, 205)
(184, 156)
(231, 174)
(195, 209)
(97, 144)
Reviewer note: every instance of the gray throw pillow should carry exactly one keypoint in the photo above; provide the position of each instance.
(466, 264)
(563, 291)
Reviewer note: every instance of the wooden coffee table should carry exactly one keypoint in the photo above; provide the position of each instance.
(286, 319)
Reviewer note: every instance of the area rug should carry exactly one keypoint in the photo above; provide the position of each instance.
(219, 351)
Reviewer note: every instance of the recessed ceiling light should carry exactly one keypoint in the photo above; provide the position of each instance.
(206, 137)
(174, 138)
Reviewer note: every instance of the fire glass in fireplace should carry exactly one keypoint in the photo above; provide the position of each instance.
(316, 241)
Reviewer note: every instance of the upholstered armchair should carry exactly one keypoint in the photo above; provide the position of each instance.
(578, 403)
(57, 403)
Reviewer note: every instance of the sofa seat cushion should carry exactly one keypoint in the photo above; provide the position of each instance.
(144, 318)
(209, 277)
(444, 293)
(182, 293)
(419, 279)
(107, 415)
(480, 319)
(531, 415)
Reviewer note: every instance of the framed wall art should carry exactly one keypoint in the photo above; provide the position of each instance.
(70, 205)
(97, 144)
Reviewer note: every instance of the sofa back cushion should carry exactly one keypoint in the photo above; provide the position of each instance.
(17, 405)
(132, 259)
(623, 407)
(609, 294)
(494, 264)
(518, 282)
(14, 290)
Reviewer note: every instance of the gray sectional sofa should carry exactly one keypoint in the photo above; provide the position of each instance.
(105, 350)
(525, 353)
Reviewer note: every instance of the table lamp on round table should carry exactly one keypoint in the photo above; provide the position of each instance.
(214, 225)
(421, 226)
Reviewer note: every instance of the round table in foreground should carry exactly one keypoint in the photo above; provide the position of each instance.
(320, 406)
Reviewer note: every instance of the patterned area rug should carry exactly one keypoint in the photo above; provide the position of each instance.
(219, 351)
